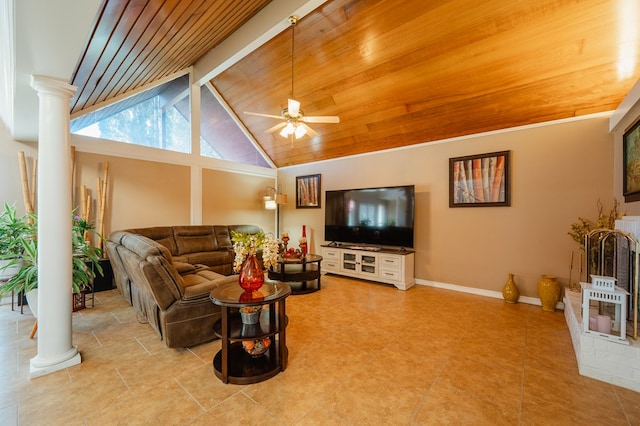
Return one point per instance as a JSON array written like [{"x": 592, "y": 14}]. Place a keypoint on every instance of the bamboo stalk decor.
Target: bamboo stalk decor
[
  {"x": 73, "y": 169},
  {"x": 102, "y": 200},
  {"x": 26, "y": 194}
]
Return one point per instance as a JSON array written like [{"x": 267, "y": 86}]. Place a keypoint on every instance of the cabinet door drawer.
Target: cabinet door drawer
[
  {"x": 390, "y": 275},
  {"x": 390, "y": 263},
  {"x": 331, "y": 254},
  {"x": 329, "y": 265}
]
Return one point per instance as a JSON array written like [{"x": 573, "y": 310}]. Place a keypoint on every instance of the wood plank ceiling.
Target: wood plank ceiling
[{"x": 397, "y": 72}]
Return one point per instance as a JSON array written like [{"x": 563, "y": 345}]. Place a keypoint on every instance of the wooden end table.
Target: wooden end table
[
  {"x": 304, "y": 270},
  {"x": 232, "y": 364}
]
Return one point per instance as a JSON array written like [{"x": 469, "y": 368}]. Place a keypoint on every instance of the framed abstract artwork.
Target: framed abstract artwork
[
  {"x": 308, "y": 192},
  {"x": 480, "y": 180},
  {"x": 631, "y": 163}
]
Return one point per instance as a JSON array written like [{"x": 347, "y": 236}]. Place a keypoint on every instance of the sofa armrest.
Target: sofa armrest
[{"x": 184, "y": 268}]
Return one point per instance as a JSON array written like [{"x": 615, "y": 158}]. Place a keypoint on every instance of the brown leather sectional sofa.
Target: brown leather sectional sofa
[{"x": 167, "y": 273}]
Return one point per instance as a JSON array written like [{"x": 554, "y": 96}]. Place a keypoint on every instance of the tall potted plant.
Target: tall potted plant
[
  {"x": 85, "y": 262},
  {"x": 12, "y": 228}
]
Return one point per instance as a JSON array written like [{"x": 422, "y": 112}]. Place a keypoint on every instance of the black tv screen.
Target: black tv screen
[{"x": 372, "y": 216}]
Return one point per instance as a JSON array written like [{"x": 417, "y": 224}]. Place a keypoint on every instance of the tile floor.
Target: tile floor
[{"x": 359, "y": 354}]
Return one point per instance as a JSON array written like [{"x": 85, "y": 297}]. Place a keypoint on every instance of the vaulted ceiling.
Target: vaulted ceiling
[{"x": 396, "y": 72}]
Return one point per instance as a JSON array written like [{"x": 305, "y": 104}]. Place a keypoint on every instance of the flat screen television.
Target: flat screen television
[{"x": 373, "y": 216}]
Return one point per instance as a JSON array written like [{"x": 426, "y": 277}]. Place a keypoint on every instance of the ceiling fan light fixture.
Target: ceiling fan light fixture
[
  {"x": 300, "y": 132},
  {"x": 287, "y": 130},
  {"x": 292, "y": 116}
]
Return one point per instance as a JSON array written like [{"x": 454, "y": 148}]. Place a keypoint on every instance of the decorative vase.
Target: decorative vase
[
  {"x": 510, "y": 291},
  {"x": 251, "y": 275},
  {"x": 32, "y": 300},
  {"x": 250, "y": 315},
  {"x": 549, "y": 292}
]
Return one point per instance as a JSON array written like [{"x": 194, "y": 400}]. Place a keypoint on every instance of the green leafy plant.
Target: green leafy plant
[
  {"x": 12, "y": 228},
  {"x": 85, "y": 261}
]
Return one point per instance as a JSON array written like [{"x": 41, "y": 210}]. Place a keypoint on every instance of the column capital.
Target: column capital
[{"x": 52, "y": 86}]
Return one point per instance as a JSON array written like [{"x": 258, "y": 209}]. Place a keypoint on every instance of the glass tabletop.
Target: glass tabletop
[{"x": 231, "y": 294}]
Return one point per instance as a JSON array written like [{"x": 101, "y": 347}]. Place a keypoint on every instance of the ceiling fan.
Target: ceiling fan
[{"x": 294, "y": 122}]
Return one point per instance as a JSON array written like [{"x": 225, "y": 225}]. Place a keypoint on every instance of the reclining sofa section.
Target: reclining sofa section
[{"x": 167, "y": 273}]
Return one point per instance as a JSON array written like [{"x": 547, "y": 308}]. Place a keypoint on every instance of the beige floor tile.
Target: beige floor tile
[
  {"x": 414, "y": 372},
  {"x": 146, "y": 372},
  {"x": 536, "y": 412},
  {"x": 447, "y": 405},
  {"x": 630, "y": 401},
  {"x": 237, "y": 410},
  {"x": 592, "y": 398},
  {"x": 203, "y": 386},
  {"x": 172, "y": 405},
  {"x": 364, "y": 400},
  {"x": 289, "y": 395},
  {"x": 321, "y": 416},
  {"x": 359, "y": 353},
  {"x": 501, "y": 385}
]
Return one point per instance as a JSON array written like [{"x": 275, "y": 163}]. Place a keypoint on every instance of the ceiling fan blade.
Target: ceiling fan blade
[
  {"x": 276, "y": 127},
  {"x": 321, "y": 119},
  {"x": 309, "y": 130},
  {"x": 293, "y": 108},
  {"x": 259, "y": 114}
]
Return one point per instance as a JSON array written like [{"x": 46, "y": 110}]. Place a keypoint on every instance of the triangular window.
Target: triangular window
[{"x": 159, "y": 118}]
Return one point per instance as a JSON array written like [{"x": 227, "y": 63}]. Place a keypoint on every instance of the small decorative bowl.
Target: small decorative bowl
[
  {"x": 256, "y": 348},
  {"x": 294, "y": 255}
]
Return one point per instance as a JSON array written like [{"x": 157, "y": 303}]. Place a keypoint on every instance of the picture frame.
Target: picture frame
[
  {"x": 631, "y": 163},
  {"x": 481, "y": 180},
  {"x": 308, "y": 192}
]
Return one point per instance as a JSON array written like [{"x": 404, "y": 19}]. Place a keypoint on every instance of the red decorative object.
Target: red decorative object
[
  {"x": 303, "y": 240},
  {"x": 251, "y": 275}
]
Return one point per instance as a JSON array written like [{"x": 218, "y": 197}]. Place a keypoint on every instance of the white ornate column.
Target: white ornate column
[{"x": 55, "y": 349}]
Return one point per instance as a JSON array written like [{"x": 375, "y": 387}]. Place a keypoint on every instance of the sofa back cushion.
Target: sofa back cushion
[
  {"x": 223, "y": 237},
  {"x": 160, "y": 234},
  {"x": 147, "y": 266},
  {"x": 194, "y": 239}
]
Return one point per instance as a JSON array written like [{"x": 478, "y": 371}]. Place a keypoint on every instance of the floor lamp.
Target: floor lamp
[{"x": 273, "y": 202}]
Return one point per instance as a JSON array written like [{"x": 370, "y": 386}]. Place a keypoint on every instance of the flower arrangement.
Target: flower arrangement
[{"x": 248, "y": 244}]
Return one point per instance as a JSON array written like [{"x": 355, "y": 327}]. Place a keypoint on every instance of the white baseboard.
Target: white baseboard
[{"x": 482, "y": 292}]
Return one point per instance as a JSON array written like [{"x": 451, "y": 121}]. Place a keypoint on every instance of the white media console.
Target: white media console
[{"x": 390, "y": 266}]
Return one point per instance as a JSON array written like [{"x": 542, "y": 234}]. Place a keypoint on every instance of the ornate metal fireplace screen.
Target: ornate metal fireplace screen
[{"x": 614, "y": 253}]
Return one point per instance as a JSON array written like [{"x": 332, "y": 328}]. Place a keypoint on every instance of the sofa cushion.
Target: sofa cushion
[
  {"x": 160, "y": 234},
  {"x": 194, "y": 239},
  {"x": 209, "y": 258},
  {"x": 223, "y": 237}
]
